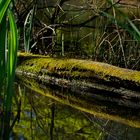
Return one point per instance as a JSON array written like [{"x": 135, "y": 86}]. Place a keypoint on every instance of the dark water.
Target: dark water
[{"x": 47, "y": 114}]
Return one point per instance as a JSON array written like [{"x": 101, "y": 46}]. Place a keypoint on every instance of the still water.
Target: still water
[{"x": 47, "y": 113}]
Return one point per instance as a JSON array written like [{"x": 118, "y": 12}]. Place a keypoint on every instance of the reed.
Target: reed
[
  {"x": 8, "y": 56},
  {"x": 28, "y": 29}
]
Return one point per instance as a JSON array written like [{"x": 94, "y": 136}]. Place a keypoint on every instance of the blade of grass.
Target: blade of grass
[
  {"x": 12, "y": 56},
  {"x": 131, "y": 28},
  {"x": 2, "y": 52},
  {"x": 11, "y": 66},
  {"x": 3, "y": 7},
  {"x": 28, "y": 28}
]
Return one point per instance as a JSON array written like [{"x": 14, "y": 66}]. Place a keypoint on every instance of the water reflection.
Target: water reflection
[{"x": 47, "y": 114}]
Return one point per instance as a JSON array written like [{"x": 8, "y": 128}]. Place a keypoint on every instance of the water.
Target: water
[{"x": 55, "y": 114}]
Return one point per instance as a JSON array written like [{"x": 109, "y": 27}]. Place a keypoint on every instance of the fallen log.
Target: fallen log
[{"x": 104, "y": 81}]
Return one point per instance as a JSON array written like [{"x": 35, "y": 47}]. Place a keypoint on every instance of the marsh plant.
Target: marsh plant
[
  {"x": 8, "y": 54},
  {"x": 120, "y": 40}
]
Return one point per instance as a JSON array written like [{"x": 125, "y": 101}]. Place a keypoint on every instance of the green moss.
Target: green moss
[{"x": 73, "y": 68}]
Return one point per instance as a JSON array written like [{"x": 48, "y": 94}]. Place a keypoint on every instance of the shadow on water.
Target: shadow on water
[{"x": 50, "y": 113}]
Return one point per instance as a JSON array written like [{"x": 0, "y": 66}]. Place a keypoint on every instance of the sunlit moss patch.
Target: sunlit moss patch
[{"x": 78, "y": 69}]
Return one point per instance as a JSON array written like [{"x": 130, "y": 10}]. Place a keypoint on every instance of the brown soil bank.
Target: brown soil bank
[{"x": 83, "y": 75}]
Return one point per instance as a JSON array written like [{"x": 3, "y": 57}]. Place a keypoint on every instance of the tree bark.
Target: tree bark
[{"x": 103, "y": 81}]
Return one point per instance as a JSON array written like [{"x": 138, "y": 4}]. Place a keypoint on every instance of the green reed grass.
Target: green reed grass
[
  {"x": 8, "y": 55},
  {"x": 3, "y": 8},
  {"x": 28, "y": 29}
]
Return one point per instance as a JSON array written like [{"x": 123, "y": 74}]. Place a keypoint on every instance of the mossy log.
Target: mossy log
[{"x": 84, "y": 76}]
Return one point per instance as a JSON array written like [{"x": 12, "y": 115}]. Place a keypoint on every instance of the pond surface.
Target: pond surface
[{"x": 50, "y": 114}]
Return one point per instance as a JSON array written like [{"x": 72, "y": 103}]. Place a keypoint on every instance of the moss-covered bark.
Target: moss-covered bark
[
  {"x": 79, "y": 70},
  {"x": 103, "y": 81}
]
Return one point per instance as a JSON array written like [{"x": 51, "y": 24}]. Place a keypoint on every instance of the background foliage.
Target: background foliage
[{"x": 104, "y": 31}]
